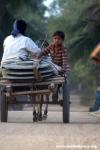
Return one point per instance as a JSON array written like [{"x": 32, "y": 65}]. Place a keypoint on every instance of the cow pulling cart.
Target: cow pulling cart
[{"x": 31, "y": 83}]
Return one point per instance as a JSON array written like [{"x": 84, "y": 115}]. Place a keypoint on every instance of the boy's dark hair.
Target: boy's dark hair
[{"x": 59, "y": 33}]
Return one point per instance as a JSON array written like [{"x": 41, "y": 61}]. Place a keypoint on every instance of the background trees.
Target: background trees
[
  {"x": 30, "y": 10},
  {"x": 80, "y": 20}
]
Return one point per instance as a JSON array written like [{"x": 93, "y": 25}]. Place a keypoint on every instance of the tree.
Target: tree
[
  {"x": 80, "y": 20},
  {"x": 30, "y": 10}
]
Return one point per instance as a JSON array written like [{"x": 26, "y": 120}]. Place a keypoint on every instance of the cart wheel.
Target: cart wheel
[
  {"x": 66, "y": 106},
  {"x": 4, "y": 105}
]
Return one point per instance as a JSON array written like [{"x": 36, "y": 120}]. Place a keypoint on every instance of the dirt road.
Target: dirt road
[{"x": 20, "y": 133}]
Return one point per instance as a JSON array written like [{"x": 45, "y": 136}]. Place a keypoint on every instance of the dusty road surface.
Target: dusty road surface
[{"x": 20, "y": 133}]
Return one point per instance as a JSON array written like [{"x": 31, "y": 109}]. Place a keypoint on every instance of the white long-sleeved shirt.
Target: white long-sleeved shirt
[{"x": 18, "y": 47}]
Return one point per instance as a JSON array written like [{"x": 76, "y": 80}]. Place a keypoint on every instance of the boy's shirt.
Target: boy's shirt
[{"x": 59, "y": 55}]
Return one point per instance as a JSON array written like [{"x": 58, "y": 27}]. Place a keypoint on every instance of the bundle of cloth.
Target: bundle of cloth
[{"x": 37, "y": 69}]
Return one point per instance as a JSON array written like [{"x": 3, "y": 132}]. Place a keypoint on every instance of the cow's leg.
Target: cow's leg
[
  {"x": 39, "y": 114},
  {"x": 46, "y": 108},
  {"x": 34, "y": 111}
]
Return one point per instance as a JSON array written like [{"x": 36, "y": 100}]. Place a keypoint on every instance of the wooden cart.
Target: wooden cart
[{"x": 9, "y": 90}]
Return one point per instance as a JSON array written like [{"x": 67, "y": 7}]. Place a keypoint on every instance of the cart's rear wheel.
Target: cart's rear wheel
[
  {"x": 66, "y": 105},
  {"x": 4, "y": 105}
]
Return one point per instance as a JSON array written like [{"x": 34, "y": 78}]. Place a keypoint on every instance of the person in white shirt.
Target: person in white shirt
[{"x": 17, "y": 46}]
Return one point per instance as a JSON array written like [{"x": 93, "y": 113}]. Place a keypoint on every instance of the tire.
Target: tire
[
  {"x": 66, "y": 105},
  {"x": 4, "y": 106}
]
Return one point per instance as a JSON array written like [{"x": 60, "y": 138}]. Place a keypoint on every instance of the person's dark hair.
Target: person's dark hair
[
  {"x": 19, "y": 26},
  {"x": 59, "y": 33}
]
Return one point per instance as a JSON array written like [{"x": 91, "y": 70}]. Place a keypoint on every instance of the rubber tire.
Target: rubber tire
[
  {"x": 4, "y": 106},
  {"x": 66, "y": 105}
]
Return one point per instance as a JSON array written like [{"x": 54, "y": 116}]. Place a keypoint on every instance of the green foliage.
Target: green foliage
[
  {"x": 86, "y": 78},
  {"x": 80, "y": 21},
  {"x": 81, "y": 68},
  {"x": 30, "y": 10}
]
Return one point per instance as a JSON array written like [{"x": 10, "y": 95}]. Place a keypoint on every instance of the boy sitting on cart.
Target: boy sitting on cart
[{"x": 59, "y": 55}]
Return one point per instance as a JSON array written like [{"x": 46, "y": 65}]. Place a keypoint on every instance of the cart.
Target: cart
[{"x": 10, "y": 89}]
